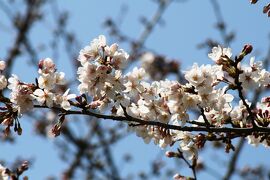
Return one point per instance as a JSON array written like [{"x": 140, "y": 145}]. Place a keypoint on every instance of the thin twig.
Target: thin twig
[
  {"x": 220, "y": 22},
  {"x": 149, "y": 26},
  {"x": 233, "y": 160},
  {"x": 23, "y": 29},
  {"x": 114, "y": 175},
  {"x": 191, "y": 166},
  {"x": 205, "y": 118}
]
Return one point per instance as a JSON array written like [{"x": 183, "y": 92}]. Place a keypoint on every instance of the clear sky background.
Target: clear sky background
[{"x": 186, "y": 25}]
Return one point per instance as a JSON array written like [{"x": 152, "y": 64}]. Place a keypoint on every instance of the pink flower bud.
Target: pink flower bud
[
  {"x": 253, "y": 1},
  {"x": 247, "y": 49},
  {"x": 170, "y": 154}
]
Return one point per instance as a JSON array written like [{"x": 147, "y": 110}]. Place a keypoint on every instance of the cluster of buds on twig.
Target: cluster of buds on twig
[
  {"x": 6, "y": 173},
  {"x": 266, "y": 8}
]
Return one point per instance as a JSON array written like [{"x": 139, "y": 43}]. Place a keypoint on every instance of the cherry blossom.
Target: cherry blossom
[
  {"x": 90, "y": 53},
  {"x": 21, "y": 94},
  {"x": 44, "y": 96},
  {"x": 63, "y": 100},
  {"x": 152, "y": 109},
  {"x": 218, "y": 52}
]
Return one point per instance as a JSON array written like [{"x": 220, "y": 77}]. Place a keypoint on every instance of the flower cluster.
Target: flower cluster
[
  {"x": 23, "y": 94},
  {"x": 209, "y": 90},
  {"x": 100, "y": 71},
  {"x": 47, "y": 81},
  {"x": 170, "y": 102},
  {"x": 254, "y": 76},
  {"x": 263, "y": 120}
]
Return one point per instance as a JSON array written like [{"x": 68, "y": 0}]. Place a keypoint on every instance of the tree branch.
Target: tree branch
[
  {"x": 239, "y": 131},
  {"x": 23, "y": 28},
  {"x": 163, "y": 4},
  {"x": 191, "y": 166},
  {"x": 233, "y": 160}
]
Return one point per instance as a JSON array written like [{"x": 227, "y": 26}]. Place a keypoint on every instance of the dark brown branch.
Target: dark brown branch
[
  {"x": 114, "y": 175},
  {"x": 129, "y": 119},
  {"x": 191, "y": 166},
  {"x": 149, "y": 26},
  {"x": 233, "y": 160},
  {"x": 221, "y": 25},
  {"x": 205, "y": 118},
  {"x": 251, "y": 116},
  {"x": 69, "y": 173},
  {"x": 23, "y": 28}
]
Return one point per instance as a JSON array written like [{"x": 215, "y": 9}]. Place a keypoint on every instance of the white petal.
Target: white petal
[
  {"x": 66, "y": 93},
  {"x": 71, "y": 96},
  {"x": 39, "y": 92},
  {"x": 65, "y": 105}
]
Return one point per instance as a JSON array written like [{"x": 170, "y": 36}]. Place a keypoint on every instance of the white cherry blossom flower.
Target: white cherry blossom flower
[
  {"x": 44, "y": 96},
  {"x": 132, "y": 110},
  {"x": 13, "y": 82},
  {"x": 137, "y": 74},
  {"x": 264, "y": 78},
  {"x": 249, "y": 79},
  {"x": 46, "y": 82},
  {"x": 239, "y": 114},
  {"x": 195, "y": 75},
  {"x": 22, "y": 99},
  {"x": 90, "y": 53},
  {"x": 254, "y": 76},
  {"x": 60, "y": 78},
  {"x": 217, "y": 52},
  {"x": 63, "y": 100},
  {"x": 123, "y": 100},
  {"x": 110, "y": 50},
  {"x": 46, "y": 66},
  {"x": 119, "y": 59},
  {"x": 255, "y": 65},
  {"x": 204, "y": 77}
]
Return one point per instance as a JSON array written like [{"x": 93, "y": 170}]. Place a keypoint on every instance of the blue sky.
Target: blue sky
[{"x": 186, "y": 25}]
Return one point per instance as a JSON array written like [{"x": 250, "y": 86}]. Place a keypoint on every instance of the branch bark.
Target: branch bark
[
  {"x": 129, "y": 119},
  {"x": 233, "y": 160}
]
